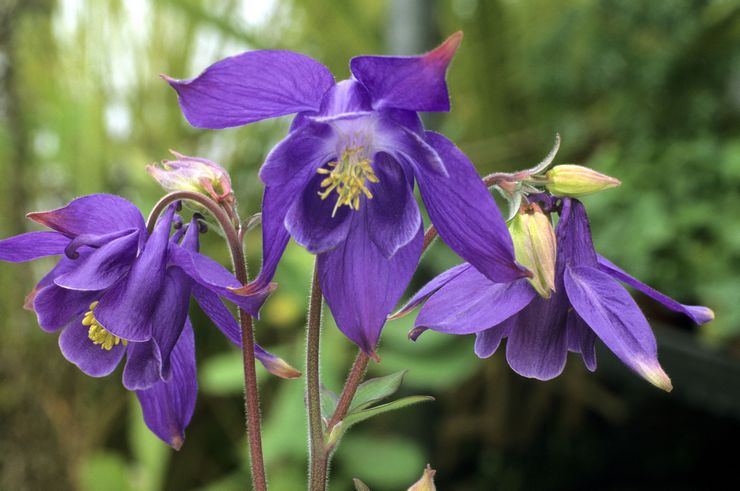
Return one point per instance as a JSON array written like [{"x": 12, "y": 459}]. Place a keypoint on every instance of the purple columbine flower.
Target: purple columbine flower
[
  {"x": 341, "y": 183},
  {"x": 118, "y": 290},
  {"x": 588, "y": 302}
]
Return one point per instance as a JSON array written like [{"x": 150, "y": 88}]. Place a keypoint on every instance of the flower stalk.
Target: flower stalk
[
  {"x": 239, "y": 263},
  {"x": 317, "y": 453}
]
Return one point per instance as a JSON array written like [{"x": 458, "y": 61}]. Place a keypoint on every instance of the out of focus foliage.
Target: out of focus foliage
[{"x": 648, "y": 92}]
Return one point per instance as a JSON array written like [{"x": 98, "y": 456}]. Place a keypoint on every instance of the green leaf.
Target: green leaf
[
  {"x": 376, "y": 389},
  {"x": 359, "y": 485},
  {"x": 359, "y": 416},
  {"x": 328, "y": 402}
]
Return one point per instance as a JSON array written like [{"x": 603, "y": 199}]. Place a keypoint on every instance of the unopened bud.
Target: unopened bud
[
  {"x": 426, "y": 483},
  {"x": 534, "y": 246},
  {"x": 193, "y": 174},
  {"x": 575, "y": 181}
]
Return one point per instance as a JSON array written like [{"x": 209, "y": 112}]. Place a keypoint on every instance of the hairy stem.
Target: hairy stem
[
  {"x": 356, "y": 374},
  {"x": 239, "y": 262},
  {"x": 317, "y": 453}
]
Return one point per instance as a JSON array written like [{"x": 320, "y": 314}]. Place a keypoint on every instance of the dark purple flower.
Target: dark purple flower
[
  {"x": 341, "y": 183},
  {"x": 119, "y": 290},
  {"x": 588, "y": 302}
]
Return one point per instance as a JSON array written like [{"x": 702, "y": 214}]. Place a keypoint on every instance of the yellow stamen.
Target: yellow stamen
[
  {"x": 97, "y": 333},
  {"x": 348, "y": 176}
]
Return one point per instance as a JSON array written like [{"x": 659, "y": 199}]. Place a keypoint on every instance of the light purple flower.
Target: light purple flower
[
  {"x": 588, "y": 302},
  {"x": 341, "y": 183},
  {"x": 118, "y": 290}
]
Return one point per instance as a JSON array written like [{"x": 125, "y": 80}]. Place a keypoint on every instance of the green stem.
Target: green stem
[
  {"x": 239, "y": 262},
  {"x": 317, "y": 453}
]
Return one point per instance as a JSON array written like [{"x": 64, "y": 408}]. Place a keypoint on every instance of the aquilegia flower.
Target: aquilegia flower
[
  {"x": 588, "y": 302},
  {"x": 341, "y": 182},
  {"x": 118, "y": 290}
]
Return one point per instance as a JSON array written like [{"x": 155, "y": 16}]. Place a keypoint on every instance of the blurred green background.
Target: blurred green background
[{"x": 648, "y": 92}]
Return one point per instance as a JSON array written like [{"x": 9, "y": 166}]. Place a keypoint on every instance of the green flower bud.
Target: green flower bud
[
  {"x": 534, "y": 246},
  {"x": 575, "y": 181}
]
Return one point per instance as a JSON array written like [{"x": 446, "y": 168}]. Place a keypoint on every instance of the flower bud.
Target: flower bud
[
  {"x": 426, "y": 483},
  {"x": 193, "y": 174},
  {"x": 575, "y": 181},
  {"x": 534, "y": 246}
]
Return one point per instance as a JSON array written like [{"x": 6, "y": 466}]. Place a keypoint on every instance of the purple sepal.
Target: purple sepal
[
  {"x": 32, "y": 245},
  {"x": 465, "y": 214},
  {"x": 696, "y": 313},
  {"x": 125, "y": 310},
  {"x": 96, "y": 214},
  {"x": 252, "y": 86},
  {"x": 168, "y": 405},
  {"x": 361, "y": 285},
  {"x": 415, "y": 83},
  {"x": 91, "y": 358}
]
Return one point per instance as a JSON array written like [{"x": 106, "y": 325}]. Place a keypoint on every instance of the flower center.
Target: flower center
[
  {"x": 97, "y": 333},
  {"x": 348, "y": 177}
]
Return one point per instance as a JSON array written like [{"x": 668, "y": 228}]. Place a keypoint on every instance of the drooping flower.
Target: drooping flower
[
  {"x": 118, "y": 290},
  {"x": 588, "y": 302},
  {"x": 341, "y": 182}
]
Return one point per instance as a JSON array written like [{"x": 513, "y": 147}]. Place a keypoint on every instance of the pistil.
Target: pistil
[{"x": 348, "y": 176}]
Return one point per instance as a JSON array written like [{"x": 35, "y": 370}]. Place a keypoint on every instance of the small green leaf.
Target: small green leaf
[
  {"x": 376, "y": 389},
  {"x": 359, "y": 485},
  {"x": 356, "y": 417},
  {"x": 328, "y": 402}
]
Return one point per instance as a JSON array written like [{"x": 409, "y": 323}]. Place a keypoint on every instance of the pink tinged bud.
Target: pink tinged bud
[
  {"x": 279, "y": 367},
  {"x": 575, "y": 181},
  {"x": 426, "y": 483},
  {"x": 534, "y": 246},
  {"x": 193, "y": 174}
]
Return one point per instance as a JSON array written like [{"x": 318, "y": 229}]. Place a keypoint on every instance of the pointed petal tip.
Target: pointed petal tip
[
  {"x": 445, "y": 51},
  {"x": 653, "y": 373},
  {"x": 416, "y": 332},
  {"x": 177, "y": 442},
  {"x": 168, "y": 79},
  {"x": 702, "y": 315},
  {"x": 374, "y": 356},
  {"x": 282, "y": 369},
  {"x": 399, "y": 314},
  {"x": 253, "y": 288}
]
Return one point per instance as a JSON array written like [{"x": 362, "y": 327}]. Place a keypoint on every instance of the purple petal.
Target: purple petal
[
  {"x": 361, "y": 285},
  {"x": 408, "y": 119},
  {"x": 488, "y": 341},
  {"x": 32, "y": 245},
  {"x": 126, "y": 309},
  {"x": 393, "y": 216},
  {"x": 465, "y": 214},
  {"x": 427, "y": 290},
  {"x": 537, "y": 346},
  {"x": 697, "y": 313},
  {"x": 470, "y": 303},
  {"x": 215, "y": 309},
  {"x": 56, "y": 307},
  {"x": 581, "y": 339},
  {"x": 615, "y": 317},
  {"x": 170, "y": 314},
  {"x": 224, "y": 320},
  {"x": 88, "y": 356},
  {"x": 405, "y": 145},
  {"x": 573, "y": 235},
  {"x": 416, "y": 83},
  {"x": 346, "y": 97},
  {"x": 168, "y": 406},
  {"x": 252, "y": 86},
  {"x": 297, "y": 157},
  {"x": 143, "y": 366},
  {"x": 96, "y": 214},
  {"x": 103, "y": 266},
  {"x": 211, "y": 275},
  {"x": 275, "y": 236},
  {"x": 313, "y": 221}
]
